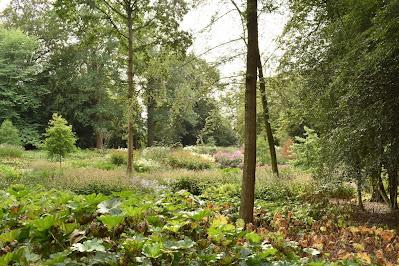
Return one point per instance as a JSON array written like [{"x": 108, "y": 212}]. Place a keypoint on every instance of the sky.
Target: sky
[{"x": 226, "y": 29}]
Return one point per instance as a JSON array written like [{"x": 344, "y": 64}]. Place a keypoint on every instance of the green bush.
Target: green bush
[
  {"x": 7, "y": 150},
  {"x": 338, "y": 190},
  {"x": 8, "y": 175},
  {"x": 144, "y": 165},
  {"x": 188, "y": 160},
  {"x": 9, "y": 134},
  {"x": 60, "y": 140},
  {"x": 188, "y": 184},
  {"x": 156, "y": 153},
  {"x": 307, "y": 150},
  {"x": 118, "y": 157},
  {"x": 105, "y": 165},
  {"x": 96, "y": 188}
]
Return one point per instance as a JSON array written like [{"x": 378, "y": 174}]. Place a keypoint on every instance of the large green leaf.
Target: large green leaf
[
  {"x": 111, "y": 221},
  {"x": 89, "y": 246}
]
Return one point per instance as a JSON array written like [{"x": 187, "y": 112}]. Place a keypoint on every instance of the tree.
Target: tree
[
  {"x": 248, "y": 180},
  {"x": 20, "y": 94},
  {"x": 60, "y": 140},
  {"x": 346, "y": 55},
  {"x": 137, "y": 25},
  {"x": 9, "y": 134}
]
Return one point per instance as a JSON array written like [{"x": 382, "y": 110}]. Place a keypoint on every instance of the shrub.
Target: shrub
[
  {"x": 104, "y": 165},
  {"x": 60, "y": 140},
  {"x": 8, "y": 175},
  {"x": 188, "y": 184},
  {"x": 229, "y": 159},
  {"x": 9, "y": 134},
  {"x": 307, "y": 150},
  {"x": 188, "y": 160},
  {"x": 7, "y": 150},
  {"x": 338, "y": 190},
  {"x": 118, "y": 157},
  {"x": 156, "y": 153},
  {"x": 202, "y": 149},
  {"x": 143, "y": 165}
]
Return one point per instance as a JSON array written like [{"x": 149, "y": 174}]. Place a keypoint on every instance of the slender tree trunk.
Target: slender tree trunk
[
  {"x": 359, "y": 186},
  {"x": 130, "y": 91},
  {"x": 266, "y": 117},
  {"x": 150, "y": 114},
  {"x": 393, "y": 186},
  {"x": 248, "y": 180}
]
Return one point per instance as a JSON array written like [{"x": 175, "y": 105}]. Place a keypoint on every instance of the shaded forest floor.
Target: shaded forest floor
[{"x": 296, "y": 218}]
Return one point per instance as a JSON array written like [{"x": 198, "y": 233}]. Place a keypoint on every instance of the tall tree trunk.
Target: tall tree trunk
[
  {"x": 99, "y": 140},
  {"x": 266, "y": 117},
  {"x": 150, "y": 113},
  {"x": 130, "y": 91},
  {"x": 248, "y": 180},
  {"x": 393, "y": 186}
]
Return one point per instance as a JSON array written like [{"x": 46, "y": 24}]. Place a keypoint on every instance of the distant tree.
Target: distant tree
[
  {"x": 9, "y": 134},
  {"x": 60, "y": 140}
]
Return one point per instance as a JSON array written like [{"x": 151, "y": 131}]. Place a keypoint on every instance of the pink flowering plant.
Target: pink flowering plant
[{"x": 229, "y": 159}]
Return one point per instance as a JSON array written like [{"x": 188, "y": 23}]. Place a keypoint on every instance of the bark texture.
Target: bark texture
[
  {"x": 266, "y": 117},
  {"x": 248, "y": 180}
]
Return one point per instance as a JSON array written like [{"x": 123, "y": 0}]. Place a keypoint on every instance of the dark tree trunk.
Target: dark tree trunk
[
  {"x": 266, "y": 117},
  {"x": 248, "y": 180},
  {"x": 99, "y": 140},
  {"x": 359, "y": 185},
  {"x": 378, "y": 194},
  {"x": 393, "y": 186},
  {"x": 150, "y": 113},
  {"x": 130, "y": 91}
]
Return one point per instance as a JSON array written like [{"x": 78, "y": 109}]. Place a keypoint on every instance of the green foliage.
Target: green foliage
[
  {"x": 9, "y": 134},
  {"x": 188, "y": 160},
  {"x": 144, "y": 165},
  {"x": 118, "y": 158},
  {"x": 11, "y": 151},
  {"x": 307, "y": 150},
  {"x": 60, "y": 140},
  {"x": 191, "y": 185},
  {"x": 9, "y": 175},
  {"x": 131, "y": 227}
]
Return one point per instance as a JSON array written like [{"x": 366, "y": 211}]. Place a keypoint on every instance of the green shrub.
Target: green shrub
[
  {"x": 338, "y": 190},
  {"x": 60, "y": 140},
  {"x": 7, "y": 150},
  {"x": 105, "y": 165},
  {"x": 307, "y": 150},
  {"x": 188, "y": 184},
  {"x": 156, "y": 153},
  {"x": 96, "y": 188},
  {"x": 8, "y": 175},
  {"x": 9, "y": 134},
  {"x": 144, "y": 165},
  {"x": 118, "y": 157},
  {"x": 188, "y": 160}
]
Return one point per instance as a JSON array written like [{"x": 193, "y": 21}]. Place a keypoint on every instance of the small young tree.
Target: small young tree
[
  {"x": 60, "y": 140},
  {"x": 9, "y": 134}
]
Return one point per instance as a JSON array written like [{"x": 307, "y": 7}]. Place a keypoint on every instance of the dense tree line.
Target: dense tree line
[
  {"x": 66, "y": 57},
  {"x": 340, "y": 68}
]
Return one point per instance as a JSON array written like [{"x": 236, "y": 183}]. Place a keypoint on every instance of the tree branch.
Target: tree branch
[
  {"x": 107, "y": 16},
  {"x": 114, "y": 9}
]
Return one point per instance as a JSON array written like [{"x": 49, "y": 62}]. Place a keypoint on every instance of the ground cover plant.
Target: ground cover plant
[{"x": 41, "y": 227}]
